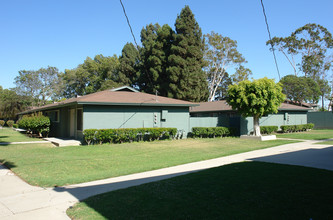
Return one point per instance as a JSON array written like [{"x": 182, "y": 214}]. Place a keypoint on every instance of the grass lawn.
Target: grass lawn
[
  {"x": 248, "y": 190},
  {"x": 309, "y": 135},
  {"x": 44, "y": 165},
  {"x": 326, "y": 142},
  {"x": 9, "y": 135}
]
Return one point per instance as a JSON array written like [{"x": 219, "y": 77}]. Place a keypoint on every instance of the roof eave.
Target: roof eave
[{"x": 136, "y": 104}]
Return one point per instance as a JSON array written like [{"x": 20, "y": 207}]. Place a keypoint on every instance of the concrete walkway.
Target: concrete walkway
[{"x": 19, "y": 200}]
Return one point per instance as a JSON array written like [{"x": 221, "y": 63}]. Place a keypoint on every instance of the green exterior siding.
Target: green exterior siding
[
  {"x": 321, "y": 119},
  {"x": 281, "y": 118},
  {"x": 135, "y": 117},
  {"x": 245, "y": 125}
]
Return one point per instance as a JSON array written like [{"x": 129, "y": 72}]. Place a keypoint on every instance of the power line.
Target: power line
[
  {"x": 270, "y": 38},
  {"x": 137, "y": 47}
]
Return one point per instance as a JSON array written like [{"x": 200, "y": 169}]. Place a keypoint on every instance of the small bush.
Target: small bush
[
  {"x": 35, "y": 124},
  {"x": 268, "y": 129},
  {"x": 89, "y": 135},
  {"x": 296, "y": 128},
  {"x": 15, "y": 125},
  {"x": 10, "y": 123},
  {"x": 211, "y": 132},
  {"x": 2, "y": 123}
]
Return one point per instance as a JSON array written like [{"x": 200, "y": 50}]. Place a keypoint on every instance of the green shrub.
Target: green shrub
[
  {"x": 296, "y": 128},
  {"x": 89, "y": 135},
  {"x": 36, "y": 124},
  {"x": 99, "y": 136},
  {"x": 2, "y": 123},
  {"x": 10, "y": 123},
  {"x": 211, "y": 132},
  {"x": 268, "y": 129},
  {"x": 15, "y": 125}
]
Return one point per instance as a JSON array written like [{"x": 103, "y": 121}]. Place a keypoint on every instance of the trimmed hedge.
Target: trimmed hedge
[
  {"x": 211, "y": 132},
  {"x": 121, "y": 135},
  {"x": 296, "y": 128},
  {"x": 268, "y": 129},
  {"x": 2, "y": 123},
  {"x": 10, "y": 123},
  {"x": 35, "y": 124}
]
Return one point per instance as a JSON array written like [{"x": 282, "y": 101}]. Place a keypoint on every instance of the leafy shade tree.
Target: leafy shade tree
[
  {"x": 257, "y": 98},
  {"x": 300, "y": 89},
  {"x": 311, "y": 42},
  {"x": 241, "y": 74},
  {"x": 187, "y": 79},
  {"x": 11, "y": 103},
  {"x": 221, "y": 53},
  {"x": 41, "y": 85},
  {"x": 93, "y": 75}
]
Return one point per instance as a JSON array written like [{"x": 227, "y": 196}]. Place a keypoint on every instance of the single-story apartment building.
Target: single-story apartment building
[
  {"x": 219, "y": 113},
  {"x": 122, "y": 107}
]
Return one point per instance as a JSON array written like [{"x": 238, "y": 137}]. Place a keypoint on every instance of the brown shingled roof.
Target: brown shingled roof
[
  {"x": 223, "y": 106},
  {"x": 110, "y": 97}
]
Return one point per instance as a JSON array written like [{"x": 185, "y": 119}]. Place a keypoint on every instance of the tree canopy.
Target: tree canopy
[
  {"x": 93, "y": 75},
  {"x": 257, "y": 98},
  {"x": 220, "y": 53},
  {"x": 41, "y": 85},
  {"x": 187, "y": 79},
  {"x": 300, "y": 89}
]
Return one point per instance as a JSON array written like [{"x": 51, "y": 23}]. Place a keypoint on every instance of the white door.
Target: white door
[{"x": 72, "y": 122}]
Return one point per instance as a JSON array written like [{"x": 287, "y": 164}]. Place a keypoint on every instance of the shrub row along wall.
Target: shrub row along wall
[
  {"x": 296, "y": 128},
  {"x": 268, "y": 129},
  {"x": 211, "y": 132},
  {"x": 100, "y": 136},
  {"x": 35, "y": 124},
  {"x": 9, "y": 123}
]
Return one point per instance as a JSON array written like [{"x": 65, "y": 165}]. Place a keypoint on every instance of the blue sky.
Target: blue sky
[{"x": 60, "y": 33}]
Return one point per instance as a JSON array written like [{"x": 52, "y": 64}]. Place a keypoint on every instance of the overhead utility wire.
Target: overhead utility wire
[
  {"x": 270, "y": 38},
  {"x": 136, "y": 44},
  {"x": 129, "y": 24}
]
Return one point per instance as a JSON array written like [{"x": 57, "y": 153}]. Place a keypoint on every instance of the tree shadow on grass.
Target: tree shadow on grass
[{"x": 6, "y": 164}]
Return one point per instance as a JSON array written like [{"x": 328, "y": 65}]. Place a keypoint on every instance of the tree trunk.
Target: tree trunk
[{"x": 256, "y": 127}]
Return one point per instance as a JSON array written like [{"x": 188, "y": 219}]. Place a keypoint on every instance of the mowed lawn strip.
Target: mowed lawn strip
[
  {"x": 248, "y": 190},
  {"x": 9, "y": 135},
  {"x": 309, "y": 135},
  {"x": 326, "y": 142},
  {"x": 44, "y": 165}
]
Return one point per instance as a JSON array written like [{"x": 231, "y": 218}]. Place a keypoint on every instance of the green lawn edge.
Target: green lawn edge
[{"x": 47, "y": 166}]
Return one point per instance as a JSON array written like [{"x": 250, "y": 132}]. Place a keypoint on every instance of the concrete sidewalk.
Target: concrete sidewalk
[{"x": 19, "y": 200}]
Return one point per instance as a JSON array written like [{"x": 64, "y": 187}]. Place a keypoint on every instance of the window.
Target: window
[
  {"x": 79, "y": 117},
  {"x": 53, "y": 115}
]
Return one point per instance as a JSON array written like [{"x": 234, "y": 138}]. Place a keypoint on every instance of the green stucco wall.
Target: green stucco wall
[
  {"x": 135, "y": 117},
  {"x": 245, "y": 125},
  {"x": 217, "y": 121},
  {"x": 281, "y": 118},
  {"x": 321, "y": 119}
]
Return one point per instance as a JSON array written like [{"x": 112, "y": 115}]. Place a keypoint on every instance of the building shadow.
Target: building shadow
[
  {"x": 84, "y": 192},
  {"x": 317, "y": 158}
]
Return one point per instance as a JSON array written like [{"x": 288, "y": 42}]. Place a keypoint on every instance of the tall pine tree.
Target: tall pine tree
[
  {"x": 187, "y": 78},
  {"x": 156, "y": 43},
  {"x": 128, "y": 65}
]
